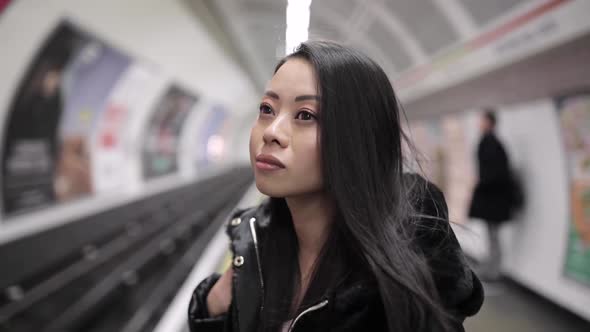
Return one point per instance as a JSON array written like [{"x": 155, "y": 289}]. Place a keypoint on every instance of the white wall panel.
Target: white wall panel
[{"x": 534, "y": 244}]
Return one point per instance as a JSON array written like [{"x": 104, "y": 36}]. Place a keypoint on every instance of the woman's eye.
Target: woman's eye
[
  {"x": 305, "y": 116},
  {"x": 265, "y": 109}
]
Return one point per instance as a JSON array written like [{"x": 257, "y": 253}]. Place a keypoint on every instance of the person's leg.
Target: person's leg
[{"x": 495, "y": 253}]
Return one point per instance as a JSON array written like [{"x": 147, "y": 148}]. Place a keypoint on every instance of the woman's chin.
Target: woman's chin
[{"x": 269, "y": 189}]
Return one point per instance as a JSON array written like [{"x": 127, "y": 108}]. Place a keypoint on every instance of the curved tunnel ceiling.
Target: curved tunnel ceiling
[{"x": 399, "y": 34}]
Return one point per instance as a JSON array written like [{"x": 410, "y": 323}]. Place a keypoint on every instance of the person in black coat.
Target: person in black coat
[{"x": 492, "y": 198}]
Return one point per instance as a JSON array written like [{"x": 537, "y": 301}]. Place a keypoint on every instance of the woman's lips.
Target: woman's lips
[{"x": 268, "y": 163}]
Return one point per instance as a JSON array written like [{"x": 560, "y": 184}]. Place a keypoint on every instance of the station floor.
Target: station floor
[{"x": 509, "y": 307}]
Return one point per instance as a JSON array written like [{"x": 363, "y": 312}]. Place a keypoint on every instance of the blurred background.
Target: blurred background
[{"x": 125, "y": 130}]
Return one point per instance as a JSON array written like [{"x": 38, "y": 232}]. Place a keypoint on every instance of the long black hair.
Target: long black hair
[{"x": 363, "y": 164}]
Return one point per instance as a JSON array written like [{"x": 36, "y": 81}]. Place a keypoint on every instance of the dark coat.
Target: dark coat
[
  {"x": 492, "y": 198},
  {"x": 353, "y": 306}
]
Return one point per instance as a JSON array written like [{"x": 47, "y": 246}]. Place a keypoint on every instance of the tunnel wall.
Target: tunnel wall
[
  {"x": 535, "y": 243},
  {"x": 165, "y": 38}
]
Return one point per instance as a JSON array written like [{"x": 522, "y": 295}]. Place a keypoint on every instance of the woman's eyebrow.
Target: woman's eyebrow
[
  {"x": 307, "y": 97},
  {"x": 272, "y": 95}
]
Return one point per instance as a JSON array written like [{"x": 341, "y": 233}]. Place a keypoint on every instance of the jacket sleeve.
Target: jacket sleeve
[
  {"x": 198, "y": 313},
  {"x": 459, "y": 288}
]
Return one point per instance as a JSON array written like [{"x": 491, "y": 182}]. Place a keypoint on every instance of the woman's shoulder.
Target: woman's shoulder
[
  {"x": 432, "y": 233},
  {"x": 426, "y": 198},
  {"x": 459, "y": 287}
]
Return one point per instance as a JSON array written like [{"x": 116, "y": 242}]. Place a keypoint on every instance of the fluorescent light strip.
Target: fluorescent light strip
[{"x": 297, "y": 23}]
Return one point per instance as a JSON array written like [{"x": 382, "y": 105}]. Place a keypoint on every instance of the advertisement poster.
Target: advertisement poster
[
  {"x": 460, "y": 168},
  {"x": 446, "y": 158},
  {"x": 3, "y": 5},
  {"x": 115, "y": 140},
  {"x": 427, "y": 137},
  {"x": 161, "y": 145},
  {"x": 46, "y": 154},
  {"x": 211, "y": 145},
  {"x": 574, "y": 117}
]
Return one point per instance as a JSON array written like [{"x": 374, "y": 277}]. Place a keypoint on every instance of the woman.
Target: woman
[{"x": 346, "y": 241}]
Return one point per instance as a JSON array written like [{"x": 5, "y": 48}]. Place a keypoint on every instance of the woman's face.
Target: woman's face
[{"x": 284, "y": 145}]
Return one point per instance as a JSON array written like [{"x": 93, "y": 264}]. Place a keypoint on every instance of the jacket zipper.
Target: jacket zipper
[
  {"x": 306, "y": 311},
  {"x": 255, "y": 238}
]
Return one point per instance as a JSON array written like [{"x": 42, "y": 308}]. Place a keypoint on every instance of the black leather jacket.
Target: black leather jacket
[{"x": 353, "y": 307}]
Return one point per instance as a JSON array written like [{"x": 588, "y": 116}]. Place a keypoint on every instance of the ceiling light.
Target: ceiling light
[{"x": 297, "y": 23}]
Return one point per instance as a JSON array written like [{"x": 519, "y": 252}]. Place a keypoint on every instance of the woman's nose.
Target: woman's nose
[{"x": 277, "y": 132}]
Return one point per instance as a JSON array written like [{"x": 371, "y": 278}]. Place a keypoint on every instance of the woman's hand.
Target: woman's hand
[{"x": 219, "y": 297}]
